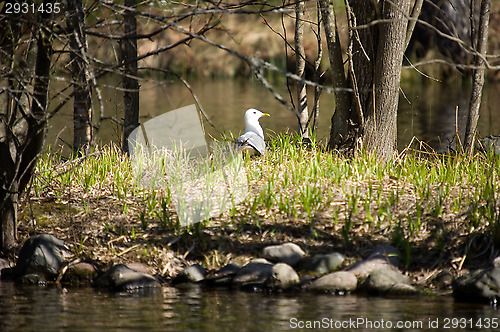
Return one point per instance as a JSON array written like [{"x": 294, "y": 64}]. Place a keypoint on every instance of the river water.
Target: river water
[
  {"x": 37, "y": 308},
  {"x": 427, "y": 112}
]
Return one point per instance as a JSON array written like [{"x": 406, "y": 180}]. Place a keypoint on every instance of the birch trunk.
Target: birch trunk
[{"x": 301, "y": 65}]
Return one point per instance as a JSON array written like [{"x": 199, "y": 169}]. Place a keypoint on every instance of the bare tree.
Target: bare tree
[
  {"x": 380, "y": 130},
  {"x": 477, "y": 77},
  {"x": 23, "y": 117},
  {"x": 130, "y": 82},
  {"x": 80, "y": 67},
  {"x": 378, "y": 34},
  {"x": 342, "y": 129}
]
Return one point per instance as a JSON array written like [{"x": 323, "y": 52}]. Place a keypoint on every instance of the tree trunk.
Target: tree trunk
[
  {"x": 8, "y": 218},
  {"x": 340, "y": 128},
  {"x": 477, "y": 77},
  {"x": 130, "y": 83},
  {"x": 375, "y": 55},
  {"x": 357, "y": 91},
  {"x": 8, "y": 195},
  {"x": 28, "y": 132},
  {"x": 300, "y": 60},
  {"x": 380, "y": 132},
  {"x": 82, "y": 109}
]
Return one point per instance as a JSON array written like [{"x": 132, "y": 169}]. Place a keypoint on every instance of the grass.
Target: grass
[{"x": 438, "y": 209}]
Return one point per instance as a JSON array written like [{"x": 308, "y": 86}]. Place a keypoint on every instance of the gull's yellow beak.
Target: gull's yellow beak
[{"x": 265, "y": 114}]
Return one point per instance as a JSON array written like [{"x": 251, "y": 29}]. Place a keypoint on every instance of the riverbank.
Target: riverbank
[{"x": 439, "y": 211}]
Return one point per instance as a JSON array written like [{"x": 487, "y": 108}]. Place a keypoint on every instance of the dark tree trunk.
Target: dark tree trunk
[
  {"x": 341, "y": 129},
  {"x": 8, "y": 201},
  {"x": 21, "y": 142},
  {"x": 130, "y": 83},
  {"x": 82, "y": 109}
]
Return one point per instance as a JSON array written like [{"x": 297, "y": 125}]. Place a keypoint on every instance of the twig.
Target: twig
[{"x": 127, "y": 250}]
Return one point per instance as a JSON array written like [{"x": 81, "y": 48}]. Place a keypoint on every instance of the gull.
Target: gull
[{"x": 252, "y": 141}]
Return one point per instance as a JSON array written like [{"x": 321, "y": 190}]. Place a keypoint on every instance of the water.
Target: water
[
  {"x": 428, "y": 112},
  {"x": 35, "y": 308}
]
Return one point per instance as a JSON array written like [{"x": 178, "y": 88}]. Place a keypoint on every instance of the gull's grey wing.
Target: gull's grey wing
[{"x": 251, "y": 139}]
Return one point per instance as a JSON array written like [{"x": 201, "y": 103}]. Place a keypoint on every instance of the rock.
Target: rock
[
  {"x": 194, "y": 273},
  {"x": 322, "y": 264},
  {"x": 32, "y": 279},
  {"x": 496, "y": 261},
  {"x": 282, "y": 276},
  {"x": 5, "y": 269},
  {"x": 388, "y": 281},
  {"x": 443, "y": 279},
  {"x": 478, "y": 286},
  {"x": 141, "y": 267},
  {"x": 121, "y": 278},
  {"x": 338, "y": 282},
  {"x": 253, "y": 274},
  {"x": 306, "y": 279},
  {"x": 81, "y": 272},
  {"x": 44, "y": 255},
  {"x": 383, "y": 256},
  {"x": 490, "y": 144},
  {"x": 289, "y": 253},
  {"x": 224, "y": 276}
]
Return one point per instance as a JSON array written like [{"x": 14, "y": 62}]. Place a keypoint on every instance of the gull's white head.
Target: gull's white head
[{"x": 252, "y": 117}]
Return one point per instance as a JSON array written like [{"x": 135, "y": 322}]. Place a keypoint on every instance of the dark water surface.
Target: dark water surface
[
  {"x": 429, "y": 112},
  {"x": 38, "y": 308}
]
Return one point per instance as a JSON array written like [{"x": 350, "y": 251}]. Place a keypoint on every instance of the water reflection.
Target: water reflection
[
  {"x": 430, "y": 114},
  {"x": 195, "y": 309},
  {"x": 435, "y": 115}
]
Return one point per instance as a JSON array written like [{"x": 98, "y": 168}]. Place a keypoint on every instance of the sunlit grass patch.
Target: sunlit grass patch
[{"x": 296, "y": 192}]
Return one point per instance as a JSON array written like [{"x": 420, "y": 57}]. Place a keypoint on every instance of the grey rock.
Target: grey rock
[
  {"x": 32, "y": 279},
  {"x": 44, "y": 255},
  {"x": 254, "y": 273},
  {"x": 496, "y": 262},
  {"x": 338, "y": 282},
  {"x": 121, "y": 278},
  {"x": 306, "y": 279},
  {"x": 478, "y": 286},
  {"x": 388, "y": 281},
  {"x": 289, "y": 253},
  {"x": 194, "y": 273},
  {"x": 490, "y": 144},
  {"x": 283, "y": 276},
  {"x": 5, "y": 269},
  {"x": 4, "y": 263},
  {"x": 224, "y": 276},
  {"x": 141, "y": 267},
  {"x": 383, "y": 256},
  {"x": 322, "y": 264},
  {"x": 80, "y": 273},
  {"x": 443, "y": 279}
]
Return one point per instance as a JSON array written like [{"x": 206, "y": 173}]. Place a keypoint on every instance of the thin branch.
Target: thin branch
[{"x": 415, "y": 13}]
